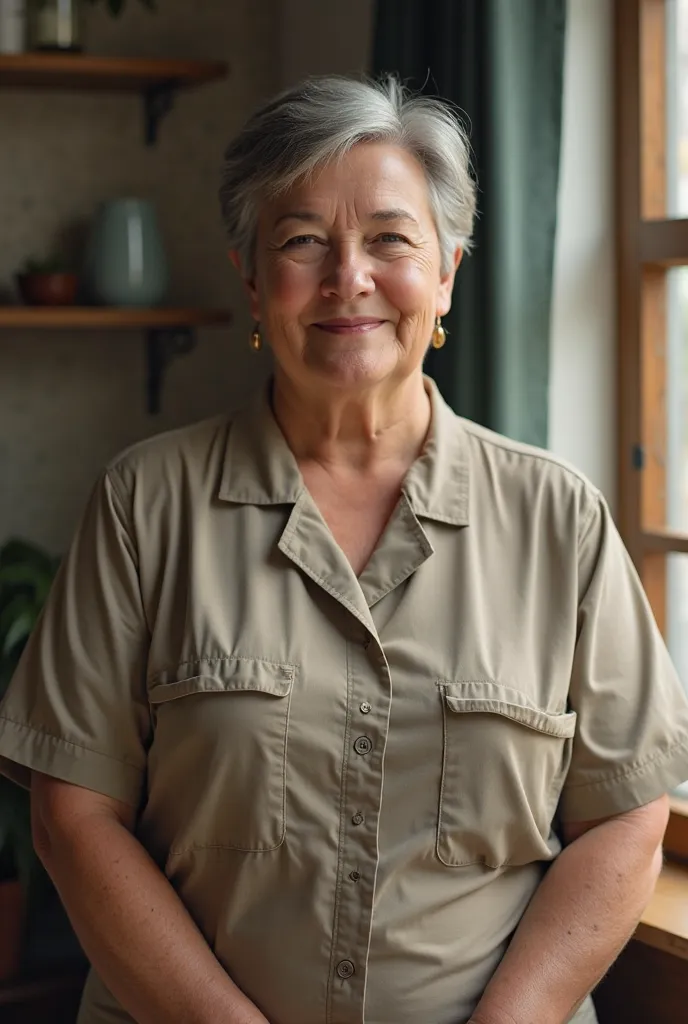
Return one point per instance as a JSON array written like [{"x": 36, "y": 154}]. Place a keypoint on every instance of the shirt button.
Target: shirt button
[
  {"x": 354, "y": 875},
  {"x": 366, "y": 708},
  {"x": 363, "y": 745},
  {"x": 345, "y": 968},
  {"x": 358, "y": 818},
  {"x": 366, "y": 643}
]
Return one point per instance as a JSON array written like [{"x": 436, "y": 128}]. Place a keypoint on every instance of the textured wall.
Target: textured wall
[
  {"x": 321, "y": 37},
  {"x": 70, "y": 400}
]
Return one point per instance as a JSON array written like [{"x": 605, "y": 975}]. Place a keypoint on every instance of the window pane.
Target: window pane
[
  {"x": 677, "y": 620},
  {"x": 677, "y": 401},
  {"x": 677, "y": 612},
  {"x": 677, "y": 107}
]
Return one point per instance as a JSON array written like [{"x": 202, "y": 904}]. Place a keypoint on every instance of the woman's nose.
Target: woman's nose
[{"x": 348, "y": 273}]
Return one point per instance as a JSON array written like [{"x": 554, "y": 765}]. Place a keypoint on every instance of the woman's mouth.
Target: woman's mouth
[{"x": 349, "y": 325}]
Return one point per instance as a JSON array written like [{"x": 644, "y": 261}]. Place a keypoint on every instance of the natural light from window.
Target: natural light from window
[{"x": 677, "y": 340}]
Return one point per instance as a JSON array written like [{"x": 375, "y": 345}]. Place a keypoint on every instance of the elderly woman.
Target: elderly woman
[{"x": 344, "y": 709}]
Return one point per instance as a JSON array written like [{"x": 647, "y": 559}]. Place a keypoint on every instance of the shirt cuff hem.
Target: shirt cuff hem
[
  {"x": 24, "y": 749},
  {"x": 625, "y": 791}
]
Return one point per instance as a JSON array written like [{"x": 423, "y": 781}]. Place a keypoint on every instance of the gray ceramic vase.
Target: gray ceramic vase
[{"x": 125, "y": 261}]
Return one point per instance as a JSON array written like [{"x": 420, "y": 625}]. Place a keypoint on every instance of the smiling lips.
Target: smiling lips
[{"x": 350, "y": 325}]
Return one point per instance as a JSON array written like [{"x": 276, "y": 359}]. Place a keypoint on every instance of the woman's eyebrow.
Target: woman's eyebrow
[
  {"x": 394, "y": 214},
  {"x": 310, "y": 217},
  {"x": 305, "y": 215}
]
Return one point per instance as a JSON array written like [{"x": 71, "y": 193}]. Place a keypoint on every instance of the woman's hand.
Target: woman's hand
[{"x": 131, "y": 923}]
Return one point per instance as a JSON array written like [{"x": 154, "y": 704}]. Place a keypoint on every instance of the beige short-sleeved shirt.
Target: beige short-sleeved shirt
[{"x": 353, "y": 784}]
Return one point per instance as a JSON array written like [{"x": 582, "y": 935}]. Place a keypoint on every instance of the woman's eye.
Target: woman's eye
[
  {"x": 300, "y": 240},
  {"x": 389, "y": 236}
]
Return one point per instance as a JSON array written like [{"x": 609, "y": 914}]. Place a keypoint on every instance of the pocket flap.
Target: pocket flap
[
  {"x": 465, "y": 698},
  {"x": 222, "y": 675}
]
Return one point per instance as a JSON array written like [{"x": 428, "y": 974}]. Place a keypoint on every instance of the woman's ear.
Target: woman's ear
[
  {"x": 447, "y": 284},
  {"x": 248, "y": 283}
]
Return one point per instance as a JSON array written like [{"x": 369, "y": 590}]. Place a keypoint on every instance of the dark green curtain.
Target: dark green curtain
[{"x": 501, "y": 62}]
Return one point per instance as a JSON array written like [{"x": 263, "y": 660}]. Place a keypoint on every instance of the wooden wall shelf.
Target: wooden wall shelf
[
  {"x": 111, "y": 74},
  {"x": 169, "y": 331},
  {"x": 107, "y": 318},
  {"x": 157, "y": 79}
]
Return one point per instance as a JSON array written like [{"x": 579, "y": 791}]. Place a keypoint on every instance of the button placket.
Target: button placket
[{"x": 363, "y": 783}]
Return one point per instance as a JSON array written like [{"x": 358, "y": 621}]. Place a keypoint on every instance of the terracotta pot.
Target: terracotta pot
[
  {"x": 12, "y": 929},
  {"x": 48, "y": 289}
]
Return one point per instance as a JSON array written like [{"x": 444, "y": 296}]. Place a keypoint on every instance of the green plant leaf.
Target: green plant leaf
[
  {"x": 11, "y": 609},
  {"x": 16, "y": 853},
  {"x": 53, "y": 265},
  {"x": 43, "y": 588},
  {"x": 19, "y": 631},
  {"x": 19, "y": 574},
  {"x": 26, "y": 574},
  {"x": 20, "y": 551}
]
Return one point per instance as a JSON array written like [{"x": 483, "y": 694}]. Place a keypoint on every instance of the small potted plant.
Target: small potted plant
[
  {"x": 26, "y": 575},
  {"x": 50, "y": 282}
]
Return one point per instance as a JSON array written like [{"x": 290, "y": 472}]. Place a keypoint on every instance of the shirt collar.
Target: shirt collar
[
  {"x": 260, "y": 469},
  {"x": 436, "y": 485},
  {"x": 259, "y": 466}
]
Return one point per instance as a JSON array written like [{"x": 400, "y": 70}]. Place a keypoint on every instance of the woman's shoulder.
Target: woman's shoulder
[
  {"x": 526, "y": 472},
  {"x": 509, "y": 454},
  {"x": 160, "y": 455}
]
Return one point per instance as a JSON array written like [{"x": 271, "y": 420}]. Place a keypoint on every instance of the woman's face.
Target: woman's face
[{"x": 348, "y": 283}]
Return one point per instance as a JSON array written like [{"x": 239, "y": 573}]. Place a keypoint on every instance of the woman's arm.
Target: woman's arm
[
  {"x": 579, "y": 919},
  {"x": 131, "y": 923}
]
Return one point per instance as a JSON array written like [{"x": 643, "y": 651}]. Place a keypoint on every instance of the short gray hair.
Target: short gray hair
[{"x": 320, "y": 120}]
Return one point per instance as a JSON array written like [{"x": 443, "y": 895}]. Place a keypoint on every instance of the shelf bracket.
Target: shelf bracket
[
  {"x": 158, "y": 100},
  {"x": 163, "y": 344}
]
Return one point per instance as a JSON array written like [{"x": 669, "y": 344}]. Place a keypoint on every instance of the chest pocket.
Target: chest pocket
[
  {"x": 503, "y": 766},
  {"x": 217, "y": 765}
]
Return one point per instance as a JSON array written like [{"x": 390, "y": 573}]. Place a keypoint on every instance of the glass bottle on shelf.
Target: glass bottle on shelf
[
  {"x": 12, "y": 26},
  {"x": 56, "y": 25}
]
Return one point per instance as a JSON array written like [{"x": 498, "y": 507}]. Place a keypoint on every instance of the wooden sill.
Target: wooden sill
[
  {"x": 664, "y": 924},
  {"x": 676, "y": 835}
]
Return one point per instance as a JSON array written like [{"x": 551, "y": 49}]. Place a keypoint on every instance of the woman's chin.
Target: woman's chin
[{"x": 353, "y": 369}]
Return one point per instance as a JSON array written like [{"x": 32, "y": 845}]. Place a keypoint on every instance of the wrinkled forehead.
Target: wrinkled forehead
[{"x": 372, "y": 181}]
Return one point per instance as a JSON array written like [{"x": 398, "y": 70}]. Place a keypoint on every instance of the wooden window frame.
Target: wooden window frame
[{"x": 647, "y": 244}]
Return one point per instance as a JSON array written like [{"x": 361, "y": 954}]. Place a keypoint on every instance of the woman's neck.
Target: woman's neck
[{"x": 354, "y": 433}]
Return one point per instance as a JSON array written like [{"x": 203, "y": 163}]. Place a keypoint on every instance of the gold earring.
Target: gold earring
[
  {"x": 256, "y": 340},
  {"x": 439, "y": 335}
]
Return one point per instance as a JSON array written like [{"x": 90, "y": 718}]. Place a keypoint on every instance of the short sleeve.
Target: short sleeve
[
  {"x": 76, "y": 707},
  {"x": 631, "y": 742}
]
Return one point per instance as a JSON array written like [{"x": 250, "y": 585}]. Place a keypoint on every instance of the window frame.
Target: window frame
[{"x": 647, "y": 245}]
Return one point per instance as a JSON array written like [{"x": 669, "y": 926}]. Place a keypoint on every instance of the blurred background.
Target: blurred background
[
  {"x": 70, "y": 399},
  {"x": 120, "y": 315}
]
